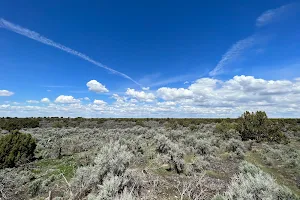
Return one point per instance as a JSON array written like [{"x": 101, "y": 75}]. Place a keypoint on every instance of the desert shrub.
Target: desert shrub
[
  {"x": 125, "y": 195},
  {"x": 109, "y": 188},
  {"x": 177, "y": 162},
  {"x": 57, "y": 125},
  {"x": 226, "y": 129},
  {"x": 235, "y": 146},
  {"x": 112, "y": 160},
  {"x": 85, "y": 179},
  {"x": 204, "y": 147},
  {"x": 257, "y": 126},
  {"x": 281, "y": 154},
  {"x": 174, "y": 155},
  {"x": 199, "y": 164},
  {"x": 34, "y": 187},
  {"x": 193, "y": 127},
  {"x": 115, "y": 187},
  {"x": 190, "y": 140},
  {"x": 16, "y": 148},
  {"x": 11, "y": 124},
  {"x": 252, "y": 184},
  {"x": 163, "y": 144},
  {"x": 140, "y": 122},
  {"x": 171, "y": 124}
]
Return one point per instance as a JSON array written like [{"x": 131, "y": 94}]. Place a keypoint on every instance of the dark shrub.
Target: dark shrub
[
  {"x": 226, "y": 129},
  {"x": 257, "y": 126},
  {"x": 11, "y": 124},
  {"x": 16, "y": 148}
]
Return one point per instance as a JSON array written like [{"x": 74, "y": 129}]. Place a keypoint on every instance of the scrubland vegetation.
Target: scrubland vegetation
[{"x": 251, "y": 157}]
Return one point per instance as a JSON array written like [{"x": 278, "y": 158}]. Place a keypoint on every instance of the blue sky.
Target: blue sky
[{"x": 164, "y": 59}]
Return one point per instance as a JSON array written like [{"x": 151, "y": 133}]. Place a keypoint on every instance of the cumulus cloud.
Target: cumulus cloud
[
  {"x": 95, "y": 86},
  {"x": 118, "y": 98},
  {"x": 86, "y": 98},
  {"x": 174, "y": 93},
  {"x": 66, "y": 99},
  {"x": 205, "y": 97},
  {"x": 99, "y": 102},
  {"x": 167, "y": 103},
  {"x": 134, "y": 101},
  {"x": 245, "y": 90},
  {"x": 5, "y": 93},
  {"x": 45, "y": 100},
  {"x": 140, "y": 95},
  {"x": 145, "y": 88},
  {"x": 32, "y": 101}
]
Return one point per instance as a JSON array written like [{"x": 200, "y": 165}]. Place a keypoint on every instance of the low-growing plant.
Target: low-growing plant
[
  {"x": 112, "y": 160},
  {"x": 252, "y": 184}
]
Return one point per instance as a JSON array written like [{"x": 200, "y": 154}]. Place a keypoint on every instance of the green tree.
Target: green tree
[{"x": 257, "y": 126}]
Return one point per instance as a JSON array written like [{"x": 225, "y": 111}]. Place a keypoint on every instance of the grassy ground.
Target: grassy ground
[{"x": 284, "y": 176}]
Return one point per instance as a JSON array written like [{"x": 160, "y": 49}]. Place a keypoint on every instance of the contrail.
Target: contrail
[
  {"x": 36, "y": 36},
  {"x": 232, "y": 53}
]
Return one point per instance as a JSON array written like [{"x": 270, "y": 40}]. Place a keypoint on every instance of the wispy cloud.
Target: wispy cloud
[
  {"x": 272, "y": 14},
  {"x": 157, "y": 80},
  {"x": 57, "y": 86},
  {"x": 238, "y": 48},
  {"x": 37, "y": 37},
  {"x": 232, "y": 53}
]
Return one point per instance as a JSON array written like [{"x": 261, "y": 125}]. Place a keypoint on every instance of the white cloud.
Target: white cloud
[
  {"x": 174, "y": 93},
  {"x": 86, "y": 98},
  {"x": 118, "y": 98},
  {"x": 272, "y": 14},
  {"x": 99, "y": 102},
  {"x": 5, "y": 93},
  {"x": 176, "y": 79},
  {"x": 95, "y": 86},
  {"x": 145, "y": 88},
  {"x": 141, "y": 96},
  {"x": 32, "y": 101},
  {"x": 45, "y": 100},
  {"x": 297, "y": 79},
  {"x": 233, "y": 53},
  {"x": 167, "y": 103},
  {"x": 134, "y": 101},
  {"x": 66, "y": 99},
  {"x": 205, "y": 97},
  {"x": 203, "y": 86}
]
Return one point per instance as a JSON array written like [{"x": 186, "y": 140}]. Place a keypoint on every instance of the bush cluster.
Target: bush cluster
[
  {"x": 257, "y": 126},
  {"x": 173, "y": 154},
  {"x": 16, "y": 148},
  {"x": 252, "y": 184},
  {"x": 105, "y": 176},
  {"x": 11, "y": 124}
]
